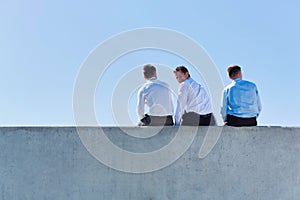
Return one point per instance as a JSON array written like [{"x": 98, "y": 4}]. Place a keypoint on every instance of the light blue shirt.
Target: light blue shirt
[
  {"x": 192, "y": 97},
  {"x": 241, "y": 99}
]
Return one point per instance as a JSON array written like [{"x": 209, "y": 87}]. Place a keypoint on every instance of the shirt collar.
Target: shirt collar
[
  {"x": 188, "y": 80},
  {"x": 237, "y": 79},
  {"x": 152, "y": 79}
]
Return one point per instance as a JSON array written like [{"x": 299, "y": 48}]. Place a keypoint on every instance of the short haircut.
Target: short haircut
[
  {"x": 182, "y": 69},
  {"x": 149, "y": 71},
  {"x": 233, "y": 70}
]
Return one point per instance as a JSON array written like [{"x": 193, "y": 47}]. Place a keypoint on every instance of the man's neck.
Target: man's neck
[{"x": 152, "y": 78}]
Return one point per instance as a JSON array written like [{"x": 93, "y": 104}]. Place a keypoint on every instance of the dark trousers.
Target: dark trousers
[
  {"x": 149, "y": 120},
  {"x": 239, "y": 121},
  {"x": 194, "y": 119}
]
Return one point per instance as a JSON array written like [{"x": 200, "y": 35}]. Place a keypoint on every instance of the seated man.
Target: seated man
[
  {"x": 241, "y": 103},
  {"x": 193, "y": 105},
  {"x": 158, "y": 97}
]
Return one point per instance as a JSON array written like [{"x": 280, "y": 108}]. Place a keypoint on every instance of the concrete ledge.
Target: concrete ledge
[{"x": 245, "y": 163}]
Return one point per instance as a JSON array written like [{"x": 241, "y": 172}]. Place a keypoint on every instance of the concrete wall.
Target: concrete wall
[{"x": 246, "y": 163}]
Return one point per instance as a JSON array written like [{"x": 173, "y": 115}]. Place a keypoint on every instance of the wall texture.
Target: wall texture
[{"x": 246, "y": 163}]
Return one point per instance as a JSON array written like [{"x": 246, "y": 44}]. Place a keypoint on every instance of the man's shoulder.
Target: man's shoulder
[
  {"x": 154, "y": 83},
  {"x": 240, "y": 82},
  {"x": 161, "y": 82},
  {"x": 144, "y": 86},
  {"x": 232, "y": 84},
  {"x": 184, "y": 84},
  {"x": 249, "y": 83},
  {"x": 189, "y": 81}
]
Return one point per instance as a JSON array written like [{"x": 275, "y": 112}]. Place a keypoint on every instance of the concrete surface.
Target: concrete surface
[{"x": 246, "y": 163}]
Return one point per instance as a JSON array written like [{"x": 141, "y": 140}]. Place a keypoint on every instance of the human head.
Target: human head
[
  {"x": 149, "y": 71},
  {"x": 181, "y": 73},
  {"x": 234, "y": 71}
]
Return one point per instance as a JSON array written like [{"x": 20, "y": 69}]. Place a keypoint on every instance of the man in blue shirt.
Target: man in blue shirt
[{"x": 241, "y": 103}]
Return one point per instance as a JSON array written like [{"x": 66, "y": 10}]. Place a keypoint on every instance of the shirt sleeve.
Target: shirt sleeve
[
  {"x": 140, "y": 105},
  {"x": 172, "y": 100},
  {"x": 224, "y": 104},
  {"x": 181, "y": 103},
  {"x": 259, "y": 107}
]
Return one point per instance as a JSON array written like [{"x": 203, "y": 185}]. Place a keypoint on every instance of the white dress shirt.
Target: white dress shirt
[
  {"x": 158, "y": 96},
  {"x": 192, "y": 97}
]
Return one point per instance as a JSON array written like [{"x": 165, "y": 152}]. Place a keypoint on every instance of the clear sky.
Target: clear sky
[{"x": 44, "y": 43}]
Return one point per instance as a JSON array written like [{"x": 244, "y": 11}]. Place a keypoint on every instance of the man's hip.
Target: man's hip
[
  {"x": 150, "y": 120},
  {"x": 232, "y": 120},
  {"x": 195, "y": 119}
]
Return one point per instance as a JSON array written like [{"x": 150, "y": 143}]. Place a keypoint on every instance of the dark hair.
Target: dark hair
[
  {"x": 233, "y": 70},
  {"x": 149, "y": 70},
  {"x": 182, "y": 69}
]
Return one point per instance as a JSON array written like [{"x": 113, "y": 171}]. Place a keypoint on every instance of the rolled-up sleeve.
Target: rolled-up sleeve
[
  {"x": 140, "y": 105},
  {"x": 181, "y": 103},
  {"x": 224, "y": 104},
  {"x": 259, "y": 107}
]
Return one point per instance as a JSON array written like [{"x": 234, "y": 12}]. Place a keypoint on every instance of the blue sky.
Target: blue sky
[{"x": 44, "y": 43}]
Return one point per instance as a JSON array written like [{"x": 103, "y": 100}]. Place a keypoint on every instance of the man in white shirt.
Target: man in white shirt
[
  {"x": 157, "y": 95},
  {"x": 193, "y": 104}
]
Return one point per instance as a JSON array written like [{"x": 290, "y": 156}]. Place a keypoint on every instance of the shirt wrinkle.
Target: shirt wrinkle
[
  {"x": 241, "y": 99},
  {"x": 157, "y": 95},
  {"x": 192, "y": 97}
]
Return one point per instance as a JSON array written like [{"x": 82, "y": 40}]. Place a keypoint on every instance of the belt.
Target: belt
[{"x": 207, "y": 115}]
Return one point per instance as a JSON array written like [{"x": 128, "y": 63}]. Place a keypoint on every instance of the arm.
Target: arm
[
  {"x": 181, "y": 103},
  {"x": 140, "y": 105},
  {"x": 224, "y": 105},
  {"x": 259, "y": 107},
  {"x": 172, "y": 93}
]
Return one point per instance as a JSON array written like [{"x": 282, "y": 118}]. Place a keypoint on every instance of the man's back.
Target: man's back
[
  {"x": 197, "y": 99},
  {"x": 243, "y": 99},
  {"x": 158, "y": 97}
]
